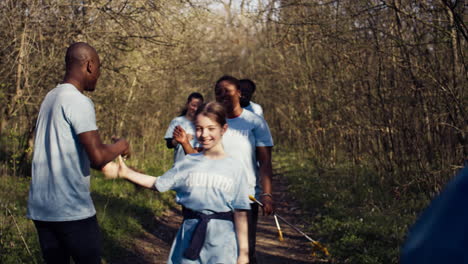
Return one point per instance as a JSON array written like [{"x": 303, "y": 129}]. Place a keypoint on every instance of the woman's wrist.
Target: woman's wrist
[
  {"x": 244, "y": 252},
  {"x": 243, "y": 248}
]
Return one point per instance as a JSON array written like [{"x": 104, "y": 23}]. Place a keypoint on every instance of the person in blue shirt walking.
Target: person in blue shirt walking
[
  {"x": 183, "y": 124},
  {"x": 212, "y": 188},
  {"x": 440, "y": 235},
  {"x": 248, "y": 139},
  {"x": 247, "y": 88},
  {"x": 67, "y": 144}
]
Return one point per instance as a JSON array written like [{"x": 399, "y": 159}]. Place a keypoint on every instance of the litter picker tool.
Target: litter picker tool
[
  {"x": 280, "y": 233},
  {"x": 315, "y": 244}
]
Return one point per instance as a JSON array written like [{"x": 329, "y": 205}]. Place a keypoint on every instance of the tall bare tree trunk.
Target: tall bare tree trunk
[
  {"x": 13, "y": 104},
  {"x": 458, "y": 76}
]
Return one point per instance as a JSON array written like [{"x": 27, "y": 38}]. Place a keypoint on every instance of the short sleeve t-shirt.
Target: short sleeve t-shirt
[
  {"x": 189, "y": 128},
  {"x": 59, "y": 189},
  {"x": 244, "y": 134},
  {"x": 207, "y": 185},
  {"x": 255, "y": 108}
]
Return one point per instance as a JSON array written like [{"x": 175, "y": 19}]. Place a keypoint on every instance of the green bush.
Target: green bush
[
  {"x": 358, "y": 214},
  {"x": 14, "y": 227}
]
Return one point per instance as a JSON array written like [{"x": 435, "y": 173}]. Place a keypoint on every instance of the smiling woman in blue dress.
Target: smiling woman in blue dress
[
  {"x": 248, "y": 139},
  {"x": 212, "y": 188}
]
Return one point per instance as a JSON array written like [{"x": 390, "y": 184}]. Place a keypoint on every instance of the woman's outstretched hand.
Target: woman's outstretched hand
[
  {"x": 114, "y": 170},
  {"x": 134, "y": 176},
  {"x": 122, "y": 170}
]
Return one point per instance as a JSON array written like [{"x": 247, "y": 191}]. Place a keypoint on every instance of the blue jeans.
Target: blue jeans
[{"x": 80, "y": 240}]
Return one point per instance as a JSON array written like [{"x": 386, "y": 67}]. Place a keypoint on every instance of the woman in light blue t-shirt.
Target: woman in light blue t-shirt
[
  {"x": 183, "y": 126},
  {"x": 212, "y": 188},
  {"x": 248, "y": 139}
]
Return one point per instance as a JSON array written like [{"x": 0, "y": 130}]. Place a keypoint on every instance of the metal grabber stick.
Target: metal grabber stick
[
  {"x": 315, "y": 243},
  {"x": 280, "y": 233}
]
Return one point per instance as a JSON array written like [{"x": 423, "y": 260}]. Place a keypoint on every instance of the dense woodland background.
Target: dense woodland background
[{"x": 374, "y": 84}]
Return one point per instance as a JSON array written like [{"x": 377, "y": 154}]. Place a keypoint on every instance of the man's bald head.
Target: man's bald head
[
  {"x": 82, "y": 66},
  {"x": 79, "y": 53}
]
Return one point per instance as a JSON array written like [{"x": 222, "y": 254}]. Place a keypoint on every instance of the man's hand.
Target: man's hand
[
  {"x": 99, "y": 153},
  {"x": 126, "y": 153},
  {"x": 268, "y": 204}
]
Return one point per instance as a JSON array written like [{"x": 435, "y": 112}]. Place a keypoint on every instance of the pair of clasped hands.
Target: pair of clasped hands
[
  {"x": 114, "y": 170},
  {"x": 119, "y": 169}
]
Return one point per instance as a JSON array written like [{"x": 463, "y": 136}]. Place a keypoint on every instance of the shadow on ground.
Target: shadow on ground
[{"x": 150, "y": 245}]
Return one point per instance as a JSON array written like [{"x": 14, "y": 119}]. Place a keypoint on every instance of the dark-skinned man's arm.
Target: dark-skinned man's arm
[
  {"x": 99, "y": 153},
  {"x": 266, "y": 174}
]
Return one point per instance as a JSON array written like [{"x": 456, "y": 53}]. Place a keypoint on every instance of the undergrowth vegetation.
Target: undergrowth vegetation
[
  {"x": 124, "y": 212},
  {"x": 380, "y": 85},
  {"x": 359, "y": 217}
]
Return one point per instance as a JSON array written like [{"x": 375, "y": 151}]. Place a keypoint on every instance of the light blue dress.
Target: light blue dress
[{"x": 207, "y": 186}]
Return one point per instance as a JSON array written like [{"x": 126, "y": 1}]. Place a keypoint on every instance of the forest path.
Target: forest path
[
  {"x": 295, "y": 248},
  {"x": 154, "y": 246}
]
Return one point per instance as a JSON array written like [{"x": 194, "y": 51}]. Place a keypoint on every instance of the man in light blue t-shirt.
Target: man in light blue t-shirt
[
  {"x": 247, "y": 88},
  {"x": 67, "y": 144}
]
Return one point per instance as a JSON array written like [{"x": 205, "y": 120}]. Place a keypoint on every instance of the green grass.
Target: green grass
[
  {"x": 124, "y": 213},
  {"x": 356, "y": 213},
  {"x": 13, "y": 224},
  {"x": 360, "y": 216}
]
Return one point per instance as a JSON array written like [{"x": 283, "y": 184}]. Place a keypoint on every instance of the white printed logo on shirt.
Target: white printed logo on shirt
[
  {"x": 215, "y": 181},
  {"x": 238, "y": 132}
]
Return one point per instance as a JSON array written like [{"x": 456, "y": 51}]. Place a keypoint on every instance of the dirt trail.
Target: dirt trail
[
  {"x": 294, "y": 249},
  {"x": 154, "y": 246}
]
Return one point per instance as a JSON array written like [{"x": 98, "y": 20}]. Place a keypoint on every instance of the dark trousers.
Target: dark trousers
[
  {"x": 80, "y": 240},
  {"x": 252, "y": 218}
]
